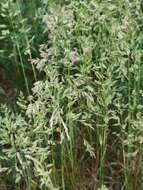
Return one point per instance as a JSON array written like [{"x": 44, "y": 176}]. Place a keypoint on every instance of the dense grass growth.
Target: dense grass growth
[
  {"x": 21, "y": 33},
  {"x": 81, "y": 125}
]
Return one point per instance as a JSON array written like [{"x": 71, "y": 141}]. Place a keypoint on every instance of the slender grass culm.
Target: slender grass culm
[{"x": 79, "y": 126}]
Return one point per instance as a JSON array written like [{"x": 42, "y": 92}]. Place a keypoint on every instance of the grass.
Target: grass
[{"x": 79, "y": 124}]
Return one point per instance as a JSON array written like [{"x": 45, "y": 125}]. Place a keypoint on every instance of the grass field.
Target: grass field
[{"x": 71, "y": 95}]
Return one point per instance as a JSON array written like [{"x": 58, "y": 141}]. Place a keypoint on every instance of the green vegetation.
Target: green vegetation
[{"x": 75, "y": 118}]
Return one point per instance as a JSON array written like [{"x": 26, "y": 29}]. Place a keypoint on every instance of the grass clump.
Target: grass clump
[{"x": 81, "y": 127}]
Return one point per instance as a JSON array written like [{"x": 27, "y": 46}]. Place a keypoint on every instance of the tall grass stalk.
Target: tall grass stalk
[{"x": 26, "y": 39}]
